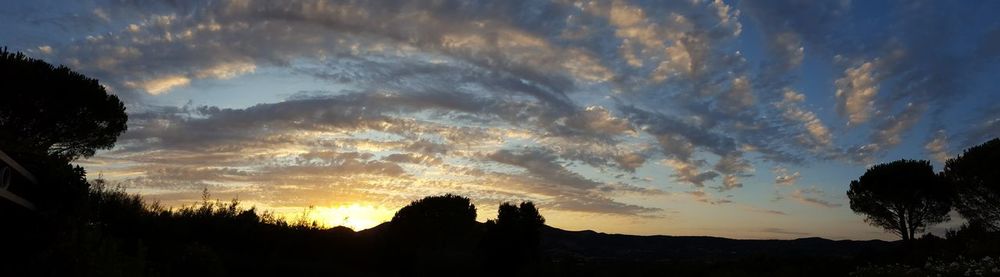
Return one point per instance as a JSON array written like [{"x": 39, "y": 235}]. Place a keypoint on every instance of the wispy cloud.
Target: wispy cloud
[
  {"x": 782, "y": 231},
  {"x": 813, "y": 196}
]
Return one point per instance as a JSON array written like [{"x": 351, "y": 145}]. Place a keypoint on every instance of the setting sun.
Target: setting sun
[{"x": 355, "y": 216}]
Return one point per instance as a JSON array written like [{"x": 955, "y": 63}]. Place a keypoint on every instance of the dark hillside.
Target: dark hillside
[
  {"x": 589, "y": 253},
  {"x": 600, "y": 246}
]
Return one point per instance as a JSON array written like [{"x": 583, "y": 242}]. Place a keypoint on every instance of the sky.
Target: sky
[{"x": 742, "y": 119}]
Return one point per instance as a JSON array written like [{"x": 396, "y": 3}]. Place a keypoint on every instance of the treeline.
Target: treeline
[{"x": 119, "y": 234}]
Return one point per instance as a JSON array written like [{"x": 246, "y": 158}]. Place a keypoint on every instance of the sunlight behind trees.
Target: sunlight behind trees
[{"x": 355, "y": 216}]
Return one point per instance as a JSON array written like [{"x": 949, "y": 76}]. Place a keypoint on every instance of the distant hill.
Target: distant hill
[
  {"x": 590, "y": 253},
  {"x": 592, "y": 245}
]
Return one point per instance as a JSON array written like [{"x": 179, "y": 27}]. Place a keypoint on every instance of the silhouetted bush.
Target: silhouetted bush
[{"x": 986, "y": 266}]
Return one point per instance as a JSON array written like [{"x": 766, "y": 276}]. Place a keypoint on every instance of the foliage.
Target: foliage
[
  {"x": 902, "y": 197},
  {"x": 119, "y": 234},
  {"x": 976, "y": 177},
  {"x": 525, "y": 216},
  {"x": 512, "y": 239},
  {"x": 49, "y": 117},
  {"x": 517, "y": 227},
  {"x": 986, "y": 266},
  {"x": 437, "y": 212},
  {"x": 973, "y": 240},
  {"x": 431, "y": 235},
  {"x": 55, "y": 110}
]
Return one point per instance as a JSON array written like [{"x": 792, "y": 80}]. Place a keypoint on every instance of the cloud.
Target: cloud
[
  {"x": 856, "y": 91},
  {"x": 783, "y": 178},
  {"x": 774, "y": 212},
  {"x": 788, "y": 48},
  {"x": 225, "y": 39},
  {"x": 550, "y": 58},
  {"x": 788, "y": 28},
  {"x": 599, "y": 121},
  {"x": 630, "y": 161},
  {"x": 937, "y": 147},
  {"x": 366, "y": 145},
  {"x": 909, "y": 58},
  {"x": 686, "y": 172},
  {"x": 226, "y": 70},
  {"x": 813, "y": 196},
  {"x": 676, "y": 139},
  {"x": 789, "y": 22},
  {"x": 161, "y": 84},
  {"x": 703, "y": 197},
  {"x": 412, "y": 158},
  {"x": 889, "y": 131},
  {"x": 45, "y": 49},
  {"x": 985, "y": 127},
  {"x": 739, "y": 97},
  {"x": 817, "y": 135},
  {"x": 730, "y": 182},
  {"x": 732, "y": 166},
  {"x": 782, "y": 231},
  {"x": 544, "y": 165}
]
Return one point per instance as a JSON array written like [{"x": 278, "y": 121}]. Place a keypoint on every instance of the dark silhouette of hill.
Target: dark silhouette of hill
[
  {"x": 591, "y": 245},
  {"x": 600, "y": 246},
  {"x": 590, "y": 253}
]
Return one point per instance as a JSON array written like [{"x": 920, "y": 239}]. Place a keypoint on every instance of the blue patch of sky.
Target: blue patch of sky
[{"x": 266, "y": 85}]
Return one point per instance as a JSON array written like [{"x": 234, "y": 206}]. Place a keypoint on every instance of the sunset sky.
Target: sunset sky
[{"x": 742, "y": 119}]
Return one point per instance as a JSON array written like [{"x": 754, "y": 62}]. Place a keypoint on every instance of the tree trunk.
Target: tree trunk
[{"x": 904, "y": 230}]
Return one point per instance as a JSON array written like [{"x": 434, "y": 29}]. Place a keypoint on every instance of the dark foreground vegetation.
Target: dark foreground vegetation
[
  {"x": 74, "y": 227},
  {"x": 114, "y": 233}
]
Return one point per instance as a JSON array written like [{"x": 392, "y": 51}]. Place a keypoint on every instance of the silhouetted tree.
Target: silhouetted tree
[
  {"x": 524, "y": 221},
  {"x": 50, "y": 116},
  {"x": 975, "y": 176},
  {"x": 437, "y": 211},
  {"x": 432, "y": 235},
  {"x": 54, "y": 110},
  {"x": 902, "y": 197},
  {"x": 512, "y": 239}
]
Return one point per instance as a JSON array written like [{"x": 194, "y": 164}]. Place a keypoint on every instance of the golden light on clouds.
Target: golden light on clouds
[{"x": 161, "y": 85}]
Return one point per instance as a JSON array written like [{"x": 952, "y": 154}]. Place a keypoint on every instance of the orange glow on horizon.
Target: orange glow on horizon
[{"x": 355, "y": 216}]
